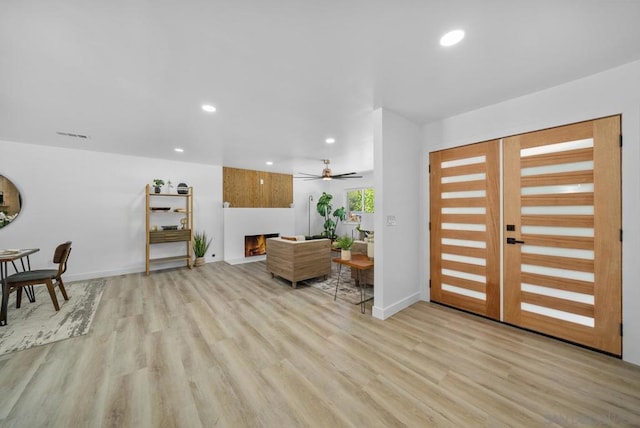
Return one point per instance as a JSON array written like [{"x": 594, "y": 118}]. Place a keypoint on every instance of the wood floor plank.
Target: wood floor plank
[
  {"x": 227, "y": 345},
  {"x": 127, "y": 403},
  {"x": 419, "y": 410},
  {"x": 310, "y": 405},
  {"x": 16, "y": 374}
]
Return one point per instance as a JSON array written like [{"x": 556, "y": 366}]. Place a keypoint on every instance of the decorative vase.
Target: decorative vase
[
  {"x": 156, "y": 189},
  {"x": 183, "y": 189},
  {"x": 370, "y": 248},
  {"x": 199, "y": 261},
  {"x": 345, "y": 254}
]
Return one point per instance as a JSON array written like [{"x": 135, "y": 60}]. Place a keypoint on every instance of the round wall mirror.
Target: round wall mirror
[{"x": 10, "y": 201}]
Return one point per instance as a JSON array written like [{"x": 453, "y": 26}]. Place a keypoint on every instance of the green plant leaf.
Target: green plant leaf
[
  {"x": 201, "y": 243},
  {"x": 341, "y": 213},
  {"x": 325, "y": 208},
  {"x": 345, "y": 242}
]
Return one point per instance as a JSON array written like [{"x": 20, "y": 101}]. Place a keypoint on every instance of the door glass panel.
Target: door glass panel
[
  {"x": 550, "y": 190},
  {"x": 560, "y": 294},
  {"x": 561, "y": 231},
  {"x": 464, "y": 243},
  {"x": 558, "y": 252},
  {"x": 468, "y": 194},
  {"x": 463, "y": 178},
  {"x": 560, "y": 273},
  {"x": 586, "y": 143},
  {"x": 559, "y": 210},
  {"x": 464, "y": 210},
  {"x": 464, "y": 291},
  {"x": 464, "y": 275},
  {"x": 464, "y": 259},
  {"x": 464, "y": 161},
  {"x": 554, "y": 313},
  {"x": 463, "y": 226},
  {"x": 564, "y": 167}
]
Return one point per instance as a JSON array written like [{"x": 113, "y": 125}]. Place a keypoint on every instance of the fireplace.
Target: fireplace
[
  {"x": 239, "y": 222},
  {"x": 256, "y": 245}
]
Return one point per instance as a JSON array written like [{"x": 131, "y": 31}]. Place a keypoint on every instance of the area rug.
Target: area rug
[
  {"x": 347, "y": 289},
  {"x": 38, "y": 323}
]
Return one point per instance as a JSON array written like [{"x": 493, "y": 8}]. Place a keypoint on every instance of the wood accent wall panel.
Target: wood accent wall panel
[
  {"x": 277, "y": 190},
  {"x": 244, "y": 188},
  {"x": 240, "y": 187}
]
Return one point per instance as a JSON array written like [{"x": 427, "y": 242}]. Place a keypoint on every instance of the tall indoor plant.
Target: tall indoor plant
[{"x": 324, "y": 208}]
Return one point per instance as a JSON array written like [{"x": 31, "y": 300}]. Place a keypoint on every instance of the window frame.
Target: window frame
[{"x": 357, "y": 219}]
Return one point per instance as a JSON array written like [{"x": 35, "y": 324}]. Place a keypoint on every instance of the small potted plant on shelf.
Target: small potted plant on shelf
[
  {"x": 200, "y": 246},
  {"x": 157, "y": 183},
  {"x": 345, "y": 243}
]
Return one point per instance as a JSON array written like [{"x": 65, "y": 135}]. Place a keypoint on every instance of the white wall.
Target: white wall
[
  {"x": 397, "y": 182},
  {"x": 616, "y": 91},
  {"x": 241, "y": 222},
  {"x": 97, "y": 201},
  {"x": 338, "y": 188},
  {"x": 307, "y": 219}
]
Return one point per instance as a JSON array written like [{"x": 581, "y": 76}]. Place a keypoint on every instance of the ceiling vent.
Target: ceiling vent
[{"x": 70, "y": 134}]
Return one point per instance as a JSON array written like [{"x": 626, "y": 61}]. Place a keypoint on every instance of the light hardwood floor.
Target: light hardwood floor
[{"x": 229, "y": 346}]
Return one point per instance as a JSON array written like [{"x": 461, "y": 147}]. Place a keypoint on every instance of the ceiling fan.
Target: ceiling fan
[{"x": 326, "y": 174}]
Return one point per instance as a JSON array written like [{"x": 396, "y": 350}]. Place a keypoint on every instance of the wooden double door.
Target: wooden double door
[{"x": 527, "y": 230}]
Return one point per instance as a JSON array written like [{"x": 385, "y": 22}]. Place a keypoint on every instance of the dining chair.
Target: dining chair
[{"x": 50, "y": 277}]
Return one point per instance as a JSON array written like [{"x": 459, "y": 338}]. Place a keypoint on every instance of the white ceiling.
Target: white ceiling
[{"x": 284, "y": 75}]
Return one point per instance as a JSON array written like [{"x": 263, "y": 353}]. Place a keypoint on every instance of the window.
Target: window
[{"x": 359, "y": 201}]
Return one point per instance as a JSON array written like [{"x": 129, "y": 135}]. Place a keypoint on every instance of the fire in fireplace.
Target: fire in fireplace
[{"x": 256, "y": 245}]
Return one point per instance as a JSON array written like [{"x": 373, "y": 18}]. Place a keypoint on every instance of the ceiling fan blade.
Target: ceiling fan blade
[
  {"x": 347, "y": 175},
  {"x": 326, "y": 174},
  {"x": 309, "y": 178}
]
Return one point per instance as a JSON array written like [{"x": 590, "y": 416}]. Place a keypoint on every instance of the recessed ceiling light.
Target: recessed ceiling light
[
  {"x": 208, "y": 108},
  {"x": 269, "y": 163},
  {"x": 330, "y": 140},
  {"x": 178, "y": 149},
  {"x": 452, "y": 37}
]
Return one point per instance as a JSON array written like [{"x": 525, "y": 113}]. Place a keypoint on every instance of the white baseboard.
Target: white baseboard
[
  {"x": 384, "y": 313},
  {"x": 122, "y": 271},
  {"x": 102, "y": 274},
  {"x": 246, "y": 260}
]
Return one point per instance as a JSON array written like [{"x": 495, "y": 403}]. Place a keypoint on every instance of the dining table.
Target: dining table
[{"x": 12, "y": 256}]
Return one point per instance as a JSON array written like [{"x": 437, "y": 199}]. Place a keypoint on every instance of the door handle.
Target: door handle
[{"x": 514, "y": 241}]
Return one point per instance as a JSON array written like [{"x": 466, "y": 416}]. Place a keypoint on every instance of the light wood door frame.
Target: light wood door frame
[
  {"x": 566, "y": 293},
  {"x": 566, "y": 284},
  {"x": 465, "y": 256}
]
